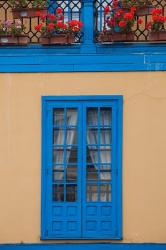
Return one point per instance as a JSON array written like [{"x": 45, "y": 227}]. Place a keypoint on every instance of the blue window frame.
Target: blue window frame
[{"x": 81, "y": 167}]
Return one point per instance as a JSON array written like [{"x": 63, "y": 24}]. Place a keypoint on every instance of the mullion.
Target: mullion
[
  {"x": 65, "y": 151},
  {"x": 98, "y": 165}
]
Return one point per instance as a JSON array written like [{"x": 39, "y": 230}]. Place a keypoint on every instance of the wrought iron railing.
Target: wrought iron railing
[
  {"x": 71, "y": 10},
  {"x": 74, "y": 9},
  {"x": 140, "y": 30}
]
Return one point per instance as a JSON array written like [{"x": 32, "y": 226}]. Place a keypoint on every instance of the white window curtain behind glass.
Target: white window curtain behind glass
[
  {"x": 105, "y": 139},
  {"x": 59, "y": 140}
]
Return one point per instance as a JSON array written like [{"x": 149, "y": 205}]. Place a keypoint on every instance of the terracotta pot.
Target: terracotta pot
[
  {"x": 145, "y": 10},
  {"x": 14, "y": 40},
  {"x": 104, "y": 37},
  {"x": 121, "y": 36},
  {"x": 27, "y": 12},
  {"x": 116, "y": 37},
  {"x": 58, "y": 39},
  {"x": 157, "y": 36}
]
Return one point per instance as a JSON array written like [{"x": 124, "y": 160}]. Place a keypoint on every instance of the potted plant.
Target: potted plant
[
  {"x": 55, "y": 31},
  {"x": 156, "y": 26},
  {"x": 118, "y": 25},
  {"x": 11, "y": 33},
  {"x": 21, "y": 8},
  {"x": 143, "y": 7}
]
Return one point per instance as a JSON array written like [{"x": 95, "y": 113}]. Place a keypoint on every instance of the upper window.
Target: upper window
[{"x": 81, "y": 189}]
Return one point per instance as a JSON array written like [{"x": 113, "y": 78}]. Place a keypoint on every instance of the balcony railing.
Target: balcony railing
[
  {"x": 71, "y": 10},
  {"x": 89, "y": 11},
  {"x": 140, "y": 31}
]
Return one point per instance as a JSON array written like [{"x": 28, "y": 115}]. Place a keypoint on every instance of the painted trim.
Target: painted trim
[
  {"x": 121, "y": 57},
  {"x": 88, "y": 246}
]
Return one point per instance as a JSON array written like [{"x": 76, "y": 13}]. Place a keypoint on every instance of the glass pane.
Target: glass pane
[
  {"x": 58, "y": 137},
  {"x": 58, "y": 192},
  {"x": 71, "y": 173},
  {"x": 92, "y": 136},
  {"x": 92, "y": 155},
  {"x": 71, "y": 137},
  {"x": 71, "y": 117},
  {"x": 105, "y": 192},
  {"x": 58, "y": 176},
  {"x": 105, "y": 154},
  {"x": 105, "y": 136},
  {"x": 105, "y": 173},
  {"x": 58, "y": 155},
  {"x": 92, "y": 172},
  {"x": 58, "y": 117},
  {"x": 105, "y": 117},
  {"x": 72, "y": 154},
  {"x": 92, "y": 192},
  {"x": 92, "y": 116},
  {"x": 71, "y": 193}
]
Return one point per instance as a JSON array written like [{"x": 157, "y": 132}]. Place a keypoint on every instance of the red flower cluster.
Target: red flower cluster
[
  {"x": 119, "y": 19},
  {"x": 54, "y": 23},
  {"x": 75, "y": 25},
  {"x": 158, "y": 20}
]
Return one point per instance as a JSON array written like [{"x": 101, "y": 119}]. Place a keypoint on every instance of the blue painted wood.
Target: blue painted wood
[
  {"x": 62, "y": 219},
  {"x": 83, "y": 58},
  {"x": 88, "y": 246},
  {"x": 56, "y": 212}
]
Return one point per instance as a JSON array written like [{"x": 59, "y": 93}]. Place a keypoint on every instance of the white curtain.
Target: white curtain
[
  {"x": 59, "y": 140},
  {"x": 71, "y": 133},
  {"x": 105, "y": 139}
]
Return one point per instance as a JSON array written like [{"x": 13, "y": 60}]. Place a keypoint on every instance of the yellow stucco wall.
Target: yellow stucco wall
[{"x": 144, "y": 149}]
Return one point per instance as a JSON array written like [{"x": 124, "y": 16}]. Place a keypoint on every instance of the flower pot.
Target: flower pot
[
  {"x": 104, "y": 37},
  {"x": 14, "y": 40},
  {"x": 157, "y": 36},
  {"x": 27, "y": 12},
  {"x": 116, "y": 37},
  {"x": 122, "y": 37},
  {"x": 57, "y": 39},
  {"x": 145, "y": 10}
]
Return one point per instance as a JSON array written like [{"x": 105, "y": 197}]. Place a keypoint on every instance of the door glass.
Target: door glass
[
  {"x": 65, "y": 154},
  {"x": 98, "y": 154}
]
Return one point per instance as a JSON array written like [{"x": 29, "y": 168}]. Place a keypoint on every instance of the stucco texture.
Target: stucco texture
[{"x": 144, "y": 149}]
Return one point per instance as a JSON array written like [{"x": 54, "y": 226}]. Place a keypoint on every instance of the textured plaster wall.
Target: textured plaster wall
[{"x": 144, "y": 149}]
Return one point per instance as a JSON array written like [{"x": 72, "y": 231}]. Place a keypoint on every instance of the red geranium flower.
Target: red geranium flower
[
  {"x": 38, "y": 13},
  {"x": 52, "y": 17},
  {"x": 51, "y": 26},
  {"x": 106, "y": 10},
  {"x": 140, "y": 21},
  {"x": 59, "y": 10},
  {"x": 39, "y": 27},
  {"x": 122, "y": 23},
  {"x": 128, "y": 16},
  {"x": 156, "y": 11}
]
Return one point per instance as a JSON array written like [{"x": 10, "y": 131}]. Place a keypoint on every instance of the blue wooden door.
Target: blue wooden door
[
  {"x": 63, "y": 171},
  {"x": 81, "y": 182},
  {"x": 99, "y": 171}
]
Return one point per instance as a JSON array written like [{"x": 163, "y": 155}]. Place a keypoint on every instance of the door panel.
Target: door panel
[
  {"x": 64, "y": 175},
  {"x": 98, "y": 220}
]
